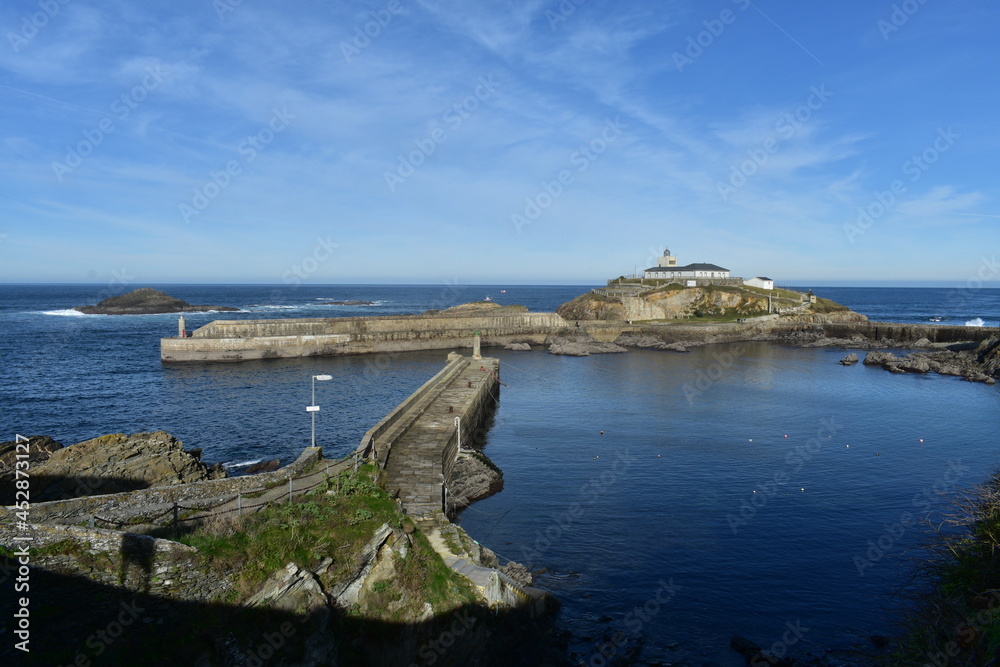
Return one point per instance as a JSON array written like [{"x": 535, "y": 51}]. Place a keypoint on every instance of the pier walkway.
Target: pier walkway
[{"x": 418, "y": 442}]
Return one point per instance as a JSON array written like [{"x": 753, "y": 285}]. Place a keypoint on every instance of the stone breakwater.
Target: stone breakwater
[{"x": 239, "y": 340}]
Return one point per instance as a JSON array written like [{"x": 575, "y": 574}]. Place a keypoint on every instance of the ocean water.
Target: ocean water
[{"x": 739, "y": 489}]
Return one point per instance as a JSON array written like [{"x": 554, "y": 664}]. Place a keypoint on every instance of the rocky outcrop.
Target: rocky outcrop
[
  {"x": 592, "y": 306},
  {"x": 473, "y": 478},
  {"x": 849, "y": 360},
  {"x": 518, "y": 347},
  {"x": 479, "y": 308},
  {"x": 39, "y": 447},
  {"x": 112, "y": 464},
  {"x": 263, "y": 466},
  {"x": 980, "y": 364},
  {"x": 677, "y": 302},
  {"x": 648, "y": 342},
  {"x": 145, "y": 301},
  {"x": 584, "y": 348}
]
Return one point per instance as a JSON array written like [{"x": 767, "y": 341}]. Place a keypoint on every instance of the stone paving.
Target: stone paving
[{"x": 415, "y": 466}]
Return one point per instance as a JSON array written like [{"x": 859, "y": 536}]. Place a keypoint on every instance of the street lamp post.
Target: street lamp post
[{"x": 315, "y": 408}]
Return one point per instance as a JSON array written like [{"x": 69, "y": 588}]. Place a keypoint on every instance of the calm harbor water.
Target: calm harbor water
[{"x": 740, "y": 505}]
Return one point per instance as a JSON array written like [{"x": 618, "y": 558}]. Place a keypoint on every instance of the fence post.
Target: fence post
[
  {"x": 289, "y": 489},
  {"x": 239, "y": 503},
  {"x": 355, "y": 461}
]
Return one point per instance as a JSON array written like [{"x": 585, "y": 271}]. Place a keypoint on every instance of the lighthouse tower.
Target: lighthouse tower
[{"x": 667, "y": 259}]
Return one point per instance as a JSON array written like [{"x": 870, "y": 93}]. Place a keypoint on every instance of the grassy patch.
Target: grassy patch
[{"x": 958, "y": 618}]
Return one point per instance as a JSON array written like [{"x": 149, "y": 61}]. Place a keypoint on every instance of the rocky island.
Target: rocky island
[{"x": 146, "y": 301}]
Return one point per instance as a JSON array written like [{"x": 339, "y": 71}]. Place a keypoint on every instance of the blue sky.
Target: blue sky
[{"x": 414, "y": 141}]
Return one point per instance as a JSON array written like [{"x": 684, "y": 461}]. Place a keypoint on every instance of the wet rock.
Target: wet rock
[
  {"x": 849, "y": 360},
  {"x": 518, "y": 347},
  {"x": 263, "y": 466},
  {"x": 586, "y": 348},
  {"x": 878, "y": 358}
]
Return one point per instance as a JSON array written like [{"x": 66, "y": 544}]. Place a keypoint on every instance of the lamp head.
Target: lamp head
[{"x": 322, "y": 377}]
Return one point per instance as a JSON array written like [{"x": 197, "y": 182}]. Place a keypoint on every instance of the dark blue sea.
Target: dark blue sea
[{"x": 782, "y": 499}]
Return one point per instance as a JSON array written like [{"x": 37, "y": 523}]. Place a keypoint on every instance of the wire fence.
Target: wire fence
[{"x": 271, "y": 493}]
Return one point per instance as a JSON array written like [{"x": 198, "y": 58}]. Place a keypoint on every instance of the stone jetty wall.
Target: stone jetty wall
[{"x": 239, "y": 340}]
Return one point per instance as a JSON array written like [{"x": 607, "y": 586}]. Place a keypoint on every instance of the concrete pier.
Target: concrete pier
[
  {"x": 418, "y": 442},
  {"x": 240, "y": 340}
]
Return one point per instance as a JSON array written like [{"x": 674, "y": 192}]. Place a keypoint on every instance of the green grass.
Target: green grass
[{"x": 958, "y": 616}]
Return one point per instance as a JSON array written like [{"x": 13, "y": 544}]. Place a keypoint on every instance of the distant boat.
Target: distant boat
[
  {"x": 489, "y": 298},
  {"x": 936, "y": 319},
  {"x": 503, "y": 291}
]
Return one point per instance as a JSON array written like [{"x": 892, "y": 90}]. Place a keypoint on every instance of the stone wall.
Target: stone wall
[
  {"x": 237, "y": 340},
  {"x": 133, "y": 506},
  {"x": 372, "y": 440},
  {"x": 134, "y": 562}
]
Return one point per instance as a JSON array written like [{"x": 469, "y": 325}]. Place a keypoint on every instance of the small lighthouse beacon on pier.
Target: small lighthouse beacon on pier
[{"x": 181, "y": 327}]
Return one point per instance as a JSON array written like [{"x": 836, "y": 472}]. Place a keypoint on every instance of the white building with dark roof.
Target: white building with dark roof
[
  {"x": 760, "y": 281},
  {"x": 666, "y": 268}
]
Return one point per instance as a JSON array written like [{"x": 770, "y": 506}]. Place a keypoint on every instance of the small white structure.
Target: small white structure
[{"x": 759, "y": 281}]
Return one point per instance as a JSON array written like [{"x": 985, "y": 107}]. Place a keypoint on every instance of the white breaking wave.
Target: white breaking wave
[
  {"x": 978, "y": 322},
  {"x": 242, "y": 464},
  {"x": 66, "y": 312}
]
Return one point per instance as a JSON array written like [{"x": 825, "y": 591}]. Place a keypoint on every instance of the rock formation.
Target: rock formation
[
  {"x": 476, "y": 308},
  {"x": 112, "y": 464},
  {"x": 474, "y": 477},
  {"x": 39, "y": 449},
  {"x": 145, "y": 301},
  {"x": 978, "y": 364},
  {"x": 674, "y": 301}
]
